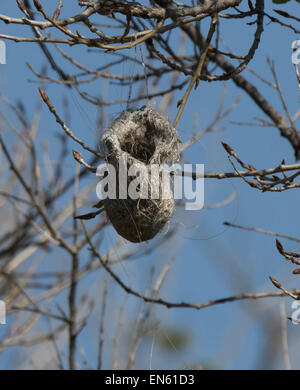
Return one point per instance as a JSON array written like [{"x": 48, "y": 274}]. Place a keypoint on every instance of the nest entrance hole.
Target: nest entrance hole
[{"x": 139, "y": 143}]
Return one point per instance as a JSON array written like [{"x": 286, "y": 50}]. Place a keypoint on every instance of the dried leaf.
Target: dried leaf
[{"x": 89, "y": 215}]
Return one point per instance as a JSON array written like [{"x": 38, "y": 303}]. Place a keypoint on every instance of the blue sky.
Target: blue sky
[{"x": 211, "y": 261}]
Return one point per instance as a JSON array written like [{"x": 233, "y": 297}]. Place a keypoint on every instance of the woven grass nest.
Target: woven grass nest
[{"x": 144, "y": 137}]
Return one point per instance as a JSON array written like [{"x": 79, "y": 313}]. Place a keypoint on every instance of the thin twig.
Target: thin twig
[{"x": 198, "y": 71}]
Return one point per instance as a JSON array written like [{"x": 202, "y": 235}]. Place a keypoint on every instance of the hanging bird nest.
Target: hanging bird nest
[{"x": 143, "y": 137}]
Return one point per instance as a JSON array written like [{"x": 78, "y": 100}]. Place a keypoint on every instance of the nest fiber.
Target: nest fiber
[{"x": 144, "y": 137}]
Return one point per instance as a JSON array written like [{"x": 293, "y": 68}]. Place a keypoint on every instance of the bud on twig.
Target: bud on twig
[
  {"x": 275, "y": 282},
  {"x": 37, "y": 5}
]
